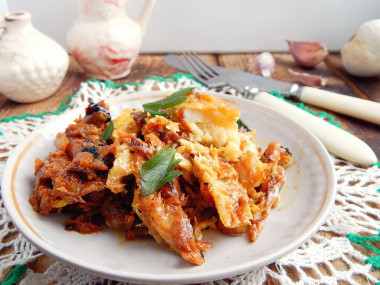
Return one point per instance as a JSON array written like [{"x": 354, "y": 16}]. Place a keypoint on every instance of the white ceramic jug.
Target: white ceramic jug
[
  {"x": 32, "y": 65},
  {"x": 103, "y": 40}
]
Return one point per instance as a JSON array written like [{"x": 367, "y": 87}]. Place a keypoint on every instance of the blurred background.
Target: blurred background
[{"x": 221, "y": 25}]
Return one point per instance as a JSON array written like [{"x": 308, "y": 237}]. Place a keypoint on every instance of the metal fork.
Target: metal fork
[
  {"x": 203, "y": 71},
  {"x": 209, "y": 76}
]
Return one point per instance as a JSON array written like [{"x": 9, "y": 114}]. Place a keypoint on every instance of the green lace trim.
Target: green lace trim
[
  {"x": 362, "y": 240},
  {"x": 15, "y": 274},
  {"x": 60, "y": 109},
  {"x": 327, "y": 117}
]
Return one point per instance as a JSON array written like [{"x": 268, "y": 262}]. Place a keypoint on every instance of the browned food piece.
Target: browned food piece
[
  {"x": 119, "y": 215},
  {"x": 42, "y": 200},
  {"x": 268, "y": 191},
  {"x": 167, "y": 222},
  {"x": 127, "y": 129},
  {"x": 78, "y": 168},
  {"x": 85, "y": 223},
  {"x": 159, "y": 131},
  {"x": 220, "y": 186},
  {"x": 251, "y": 170}
]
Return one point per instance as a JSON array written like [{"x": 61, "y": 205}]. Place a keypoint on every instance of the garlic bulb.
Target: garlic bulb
[{"x": 361, "y": 55}]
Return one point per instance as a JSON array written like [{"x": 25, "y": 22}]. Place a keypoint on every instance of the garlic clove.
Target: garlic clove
[
  {"x": 309, "y": 79},
  {"x": 307, "y": 54},
  {"x": 361, "y": 55},
  {"x": 264, "y": 63}
]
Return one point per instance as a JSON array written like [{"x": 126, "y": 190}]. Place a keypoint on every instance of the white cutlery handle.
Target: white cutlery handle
[
  {"x": 355, "y": 107},
  {"x": 337, "y": 141}
]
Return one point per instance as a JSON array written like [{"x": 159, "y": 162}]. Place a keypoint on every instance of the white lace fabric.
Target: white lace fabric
[{"x": 328, "y": 257}]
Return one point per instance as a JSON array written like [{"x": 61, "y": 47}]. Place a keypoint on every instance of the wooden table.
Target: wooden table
[{"x": 151, "y": 64}]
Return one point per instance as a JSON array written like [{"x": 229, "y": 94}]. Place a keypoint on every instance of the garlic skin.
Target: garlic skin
[
  {"x": 264, "y": 63},
  {"x": 307, "y": 54},
  {"x": 361, "y": 55},
  {"x": 308, "y": 79}
]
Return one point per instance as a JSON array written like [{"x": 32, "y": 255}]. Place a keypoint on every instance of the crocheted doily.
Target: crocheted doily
[{"x": 328, "y": 257}]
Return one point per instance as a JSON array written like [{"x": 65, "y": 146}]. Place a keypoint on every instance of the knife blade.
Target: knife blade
[
  {"x": 337, "y": 141},
  {"x": 344, "y": 104}
]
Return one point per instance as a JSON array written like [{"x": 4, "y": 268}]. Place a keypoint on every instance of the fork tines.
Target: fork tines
[{"x": 198, "y": 66}]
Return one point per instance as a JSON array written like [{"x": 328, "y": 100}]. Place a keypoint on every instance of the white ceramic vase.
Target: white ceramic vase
[
  {"x": 32, "y": 65},
  {"x": 103, "y": 40}
]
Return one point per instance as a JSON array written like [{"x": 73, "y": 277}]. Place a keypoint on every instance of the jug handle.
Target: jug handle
[{"x": 145, "y": 14}]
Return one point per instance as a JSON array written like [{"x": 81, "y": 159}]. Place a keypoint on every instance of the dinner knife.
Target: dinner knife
[
  {"x": 337, "y": 141},
  {"x": 351, "y": 106}
]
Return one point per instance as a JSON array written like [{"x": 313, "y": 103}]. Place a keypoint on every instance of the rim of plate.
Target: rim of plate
[{"x": 20, "y": 222}]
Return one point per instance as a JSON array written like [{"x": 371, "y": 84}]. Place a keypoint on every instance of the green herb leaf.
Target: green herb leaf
[
  {"x": 242, "y": 124},
  {"x": 107, "y": 132},
  {"x": 161, "y": 107},
  {"x": 158, "y": 170}
]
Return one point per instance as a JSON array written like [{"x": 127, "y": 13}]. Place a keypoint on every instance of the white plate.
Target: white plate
[{"x": 306, "y": 200}]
